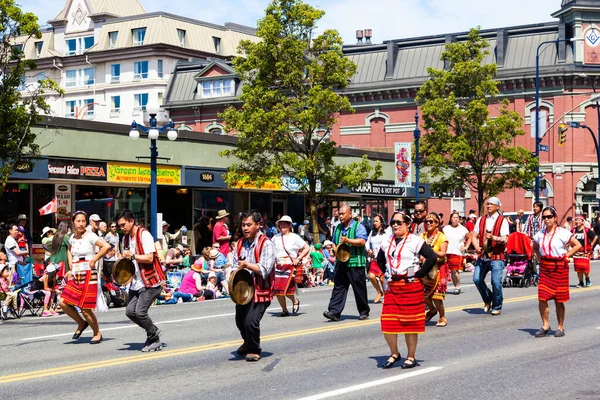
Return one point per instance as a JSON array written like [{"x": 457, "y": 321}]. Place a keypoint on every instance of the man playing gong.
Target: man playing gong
[{"x": 255, "y": 253}]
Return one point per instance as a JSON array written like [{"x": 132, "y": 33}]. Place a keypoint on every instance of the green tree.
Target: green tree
[
  {"x": 290, "y": 77},
  {"x": 464, "y": 144},
  {"x": 18, "y": 113}
]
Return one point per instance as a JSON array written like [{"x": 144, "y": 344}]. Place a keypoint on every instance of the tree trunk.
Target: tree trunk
[
  {"x": 480, "y": 199},
  {"x": 312, "y": 199}
]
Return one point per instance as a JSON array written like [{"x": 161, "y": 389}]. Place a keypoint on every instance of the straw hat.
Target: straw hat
[
  {"x": 222, "y": 214},
  {"x": 285, "y": 218},
  {"x": 214, "y": 253},
  {"x": 46, "y": 230}
]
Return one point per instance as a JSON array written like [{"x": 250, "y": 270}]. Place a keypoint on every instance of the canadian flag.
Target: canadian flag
[{"x": 49, "y": 208}]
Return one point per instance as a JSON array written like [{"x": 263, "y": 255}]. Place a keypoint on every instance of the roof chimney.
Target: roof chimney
[
  {"x": 368, "y": 35},
  {"x": 359, "y": 37}
]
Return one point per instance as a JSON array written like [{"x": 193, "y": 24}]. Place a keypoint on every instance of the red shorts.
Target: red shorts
[{"x": 374, "y": 269}]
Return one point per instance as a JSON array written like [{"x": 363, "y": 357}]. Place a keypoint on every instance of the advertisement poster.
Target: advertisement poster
[
  {"x": 64, "y": 201},
  {"x": 402, "y": 170}
]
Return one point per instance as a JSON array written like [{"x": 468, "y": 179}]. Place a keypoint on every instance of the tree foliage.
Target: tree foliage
[
  {"x": 290, "y": 78},
  {"x": 464, "y": 144},
  {"x": 18, "y": 113}
]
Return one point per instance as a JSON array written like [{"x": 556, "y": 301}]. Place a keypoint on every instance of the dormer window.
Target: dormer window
[
  {"x": 181, "y": 37},
  {"x": 17, "y": 50},
  {"x": 38, "y": 49},
  {"x": 112, "y": 39},
  {"x": 216, "y": 88},
  {"x": 138, "y": 36},
  {"x": 78, "y": 45},
  {"x": 217, "y": 44}
]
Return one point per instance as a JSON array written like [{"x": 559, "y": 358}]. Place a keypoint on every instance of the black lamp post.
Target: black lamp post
[{"x": 417, "y": 134}]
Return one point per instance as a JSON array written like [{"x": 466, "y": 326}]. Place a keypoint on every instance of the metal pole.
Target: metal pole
[
  {"x": 417, "y": 134},
  {"x": 153, "y": 185},
  {"x": 537, "y": 122},
  {"x": 596, "y": 141}
]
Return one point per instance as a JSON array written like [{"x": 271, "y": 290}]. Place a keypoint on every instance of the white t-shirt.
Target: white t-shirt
[
  {"x": 490, "y": 222},
  {"x": 293, "y": 244},
  {"x": 374, "y": 241},
  {"x": 456, "y": 238},
  {"x": 554, "y": 244},
  {"x": 10, "y": 245},
  {"x": 148, "y": 247},
  {"x": 402, "y": 257},
  {"x": 84, "y": 247}
]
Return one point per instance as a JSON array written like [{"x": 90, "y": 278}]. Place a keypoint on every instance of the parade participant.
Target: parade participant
[
  {"x": 418, "y": 225},
  {"x": 551, "y": 246},
  {"x": 290, "y": 249},
  {"x": 489, "y": 239},
  {"x": 59, "y": 248},
  {"x": 221, "y": 233},
  {"x": 376, "y": 237},
  {"x": 257, "y": 254},
  {"x": 403, "y": 304},
  {"x": 352, "y": 272},
  {"x": 13, "y": 252},
  {"x": 534, "y": 221},
  {"x": 568, "y": 225},
  {"x": 82, "y": 290},
  {"x": 138, "y": 246},
  {"x": 459, "y": 241},
  {"x": 435, "y": 289},
  {"x": 581, "y": 260}
]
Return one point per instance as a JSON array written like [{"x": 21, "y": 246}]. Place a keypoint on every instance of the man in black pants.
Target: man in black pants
[{"x": 354, "y": 235}]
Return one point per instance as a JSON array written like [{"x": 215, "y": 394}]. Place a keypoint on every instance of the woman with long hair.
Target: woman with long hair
[
  {"x": 435, "y": 290},
  {"x": 60, "y": 247},
  {"x": 459, "y": 240},
  {"x": 551, "y": 245},
  {"x": 376, "y": 237},
  {"x": 403, "y": 305},
  {"x": 82, "y": 290}
]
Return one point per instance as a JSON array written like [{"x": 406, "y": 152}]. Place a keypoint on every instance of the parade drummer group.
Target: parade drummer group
[{"x": 413, "y": 253}]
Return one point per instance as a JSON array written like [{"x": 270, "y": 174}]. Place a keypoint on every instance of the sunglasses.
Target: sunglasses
[
  {"x": 419, "y": 211},
  {"x": 547, "y": 216},
  {"x": 430, "y": 221},
  {"x": 113, "y": 226},
  {"x": 397, "y": 222}
]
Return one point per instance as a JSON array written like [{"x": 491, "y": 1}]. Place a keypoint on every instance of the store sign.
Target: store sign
[
  {"x": 64, "y": 201},
  {"x": 24, "y": 167},
  {"x": 140, "y": 173},
  {"x": 269, "y": 184},
  {"x": 380, "y": 189},
  {"x": 80, "y": 170}
]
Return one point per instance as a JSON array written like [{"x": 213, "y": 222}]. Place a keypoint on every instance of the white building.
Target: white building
[{"x": 112, "y": 58}]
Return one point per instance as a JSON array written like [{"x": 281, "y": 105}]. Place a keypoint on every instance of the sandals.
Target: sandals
[
  {"x": 442, "y": 322},
  {"x": 543, "y": 332},
  {"x": 409, "y": 363},
  {"x": 390, "y": 364},
  {"x": 252, "y": 357},
  {"x": 559, "y": 333},
  {"x": 377, "y": 298},
  {"x": 430, "y": 314},
  {"x": 296, "y": 306},
  {"x": 457, "y": 291},
  {"x": 284, "y": 314}
]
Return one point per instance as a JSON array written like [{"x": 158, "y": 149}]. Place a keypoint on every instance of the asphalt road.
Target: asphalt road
[{"x": 476, "y": 356}]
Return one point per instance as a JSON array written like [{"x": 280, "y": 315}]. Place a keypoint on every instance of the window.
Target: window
[
  {"x": 22, "y": 84},
  {"x": 216, "y": 131},
  {"x": 80, "y": 77},
  {"x": 112, "y": 39},
  {"x": 217, "y": 88},
  {"x": 71, "y": 78},
  {"x": 159, "y": 68},
  {"x": 38, "y": 49},
  {"x": 181, "y": 36},
  {"x": 88, "y": 42},
  {"x": 140, "y": 101},
  {"x": 89, "y": 76},
  {"x": 78, "y": 45},
  {"x": 17, "y": 49},
  {"x": 71, "y": 47},
  {"x": 217, "y": 44},
  {"x": 138, "y": 36},
  {"x": 70, "y": 108},
  {"x": 115, "y": 105},
  {"x": 88, "y": 105},
  {"x": 160, "y": 98},
  {"x": 140, "y": 70},
  {"x": 115, "y": 73}
]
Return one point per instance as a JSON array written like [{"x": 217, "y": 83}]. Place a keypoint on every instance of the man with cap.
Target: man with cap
[
  {"x": 94, "y": 225},
  {"x": 168, "y": 237},
  {"x": 221, "y": 233},
  {"x": 581, "y": 260},
  {"x": 174, "y": 256},
  {"x": 489, "y": 239}
]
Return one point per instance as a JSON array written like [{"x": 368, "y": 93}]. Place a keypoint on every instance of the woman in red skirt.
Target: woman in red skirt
[
  {"x": 403, "y": 305},
  {"x": 81, "y": 291},
  {"x": 459, "y": 241},
  {"x": 435, "y": 289},
  {"x": 551, "y": 245},
  {"x": 376, "y": 237}
]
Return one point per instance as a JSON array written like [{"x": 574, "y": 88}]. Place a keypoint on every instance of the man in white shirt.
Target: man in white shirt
[
  {"x": 489, "y": 239},
  {"x": 147, "y": 283},
  {"x": 14, "y": 254}
]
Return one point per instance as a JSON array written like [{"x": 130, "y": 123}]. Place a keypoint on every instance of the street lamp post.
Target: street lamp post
[
  {"x": 153, "y": 132},
  {"x": 595, "y": 140},
  {"x": 574, "y": 124},
  {"x": 417, "y": 134}
]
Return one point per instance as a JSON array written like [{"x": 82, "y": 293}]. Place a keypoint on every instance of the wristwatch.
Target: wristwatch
[{"x": 132, "y": 258}]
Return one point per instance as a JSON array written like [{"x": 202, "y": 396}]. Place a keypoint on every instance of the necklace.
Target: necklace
[{"x": 431, "y": 239}]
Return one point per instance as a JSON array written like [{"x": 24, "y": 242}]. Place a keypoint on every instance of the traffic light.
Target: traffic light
[{"x": 562, "y": 134}]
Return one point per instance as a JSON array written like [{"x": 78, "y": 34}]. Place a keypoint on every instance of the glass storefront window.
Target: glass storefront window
[{"x": 107, "y": 201}]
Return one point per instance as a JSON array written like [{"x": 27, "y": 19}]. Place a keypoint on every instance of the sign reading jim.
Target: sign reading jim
[{"x": 80, "y": 170}]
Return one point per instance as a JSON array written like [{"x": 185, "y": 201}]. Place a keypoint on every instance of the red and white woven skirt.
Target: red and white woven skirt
[
  {"x": 554, "y": 280},
  {"x": 82, "y": 290},
  {"x": 403, "y": 308},
  {"x": 455, "y": 262},
  {"x": 284, "y": 280},
  {"x": 582, "y": 263}
]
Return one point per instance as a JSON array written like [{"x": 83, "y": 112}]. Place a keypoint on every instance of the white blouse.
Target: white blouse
[
  {"x": 374, "y": 241},
  {"x": 553, "y": 244},
  {"x": 84, "y": 247},
  {"x": 402, "y": 258},
  {"x": 293, "y": 244}
]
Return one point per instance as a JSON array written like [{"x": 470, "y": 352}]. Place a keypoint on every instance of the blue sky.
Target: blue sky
[{"x": 389, "y": 19}]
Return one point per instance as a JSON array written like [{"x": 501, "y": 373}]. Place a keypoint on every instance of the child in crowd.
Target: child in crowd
[
  {"x": 187, "y": 257},
  {"x": 318, "y": 261},
  {"x": 211, "y": 286},
  {"x": 47, "y": 284},
  {"x": 6, "y": 295}
]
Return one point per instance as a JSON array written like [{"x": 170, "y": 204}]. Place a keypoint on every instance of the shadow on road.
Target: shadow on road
[{"x": 474, "y": 311}]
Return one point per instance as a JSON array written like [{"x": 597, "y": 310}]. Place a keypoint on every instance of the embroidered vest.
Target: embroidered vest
[
  {"x": 497, "y": 248},
  {"x": 263, "y": 288},
  {"x": 357, "y": 253},
  {"x": 152, "y": 274}
]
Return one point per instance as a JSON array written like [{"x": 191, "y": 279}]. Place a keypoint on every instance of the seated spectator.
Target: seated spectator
[
  {"x": 174, "y": 257},
  {"x": 47, "y": 284},
  {"x": 318, "y": 262},
  {"x": 187, "y": 257},
  {"x": 190, "y": 288},
  {"x": 329, "y": 266},
  {"x": 211, "y": 286},
  {"x": 6, "y": 296}
]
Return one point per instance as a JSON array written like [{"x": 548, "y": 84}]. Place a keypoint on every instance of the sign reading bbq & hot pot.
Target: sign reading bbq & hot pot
[{"x": 79, "y": 170}]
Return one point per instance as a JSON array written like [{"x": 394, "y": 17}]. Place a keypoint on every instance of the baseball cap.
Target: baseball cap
[
  {"x": 495, "y": 200},
  {"x": 95, "y": 217}
]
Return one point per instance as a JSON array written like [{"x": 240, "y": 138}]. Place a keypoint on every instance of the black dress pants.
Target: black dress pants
[
  {"x": 247, "y": 319},
  {"x": 344, "y": 277}
]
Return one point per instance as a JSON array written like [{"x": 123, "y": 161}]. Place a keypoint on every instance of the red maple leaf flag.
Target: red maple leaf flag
[{"x": 49, "y": 208}]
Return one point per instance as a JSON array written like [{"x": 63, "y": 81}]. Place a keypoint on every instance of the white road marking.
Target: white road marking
[
  {"x": 129, "y": 326},
  {"x": 371, "y": 384}
]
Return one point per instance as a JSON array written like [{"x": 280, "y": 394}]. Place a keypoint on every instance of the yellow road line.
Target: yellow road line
[{"x": 214, "y": 346}]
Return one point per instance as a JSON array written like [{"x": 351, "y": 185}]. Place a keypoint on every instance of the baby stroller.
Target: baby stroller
[{"x": 519, "y": 271}]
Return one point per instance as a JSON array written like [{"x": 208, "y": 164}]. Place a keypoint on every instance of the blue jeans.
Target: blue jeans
[
  {"x": 176, "y": 295},
  {"x": 482, "y": 268}
]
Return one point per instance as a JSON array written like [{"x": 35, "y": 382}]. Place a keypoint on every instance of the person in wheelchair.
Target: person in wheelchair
[{"x": 6, "y": 296}]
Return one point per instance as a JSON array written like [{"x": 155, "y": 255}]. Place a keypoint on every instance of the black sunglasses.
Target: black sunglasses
[
  {"x": 398, "y": 222},
  {"x": 430, "y": 221},
  {"x": 547, "y": 216},
  {"x": 419, "y": 211}
]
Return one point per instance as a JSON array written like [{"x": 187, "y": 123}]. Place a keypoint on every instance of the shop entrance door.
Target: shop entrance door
[{"x": 279, "y": 205}]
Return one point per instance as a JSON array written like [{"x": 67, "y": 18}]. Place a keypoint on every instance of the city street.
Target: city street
[{"x": 476, "y": 356}]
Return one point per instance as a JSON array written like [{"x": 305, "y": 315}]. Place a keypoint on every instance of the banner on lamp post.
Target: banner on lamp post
[{"x": 403, "y": 164}]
